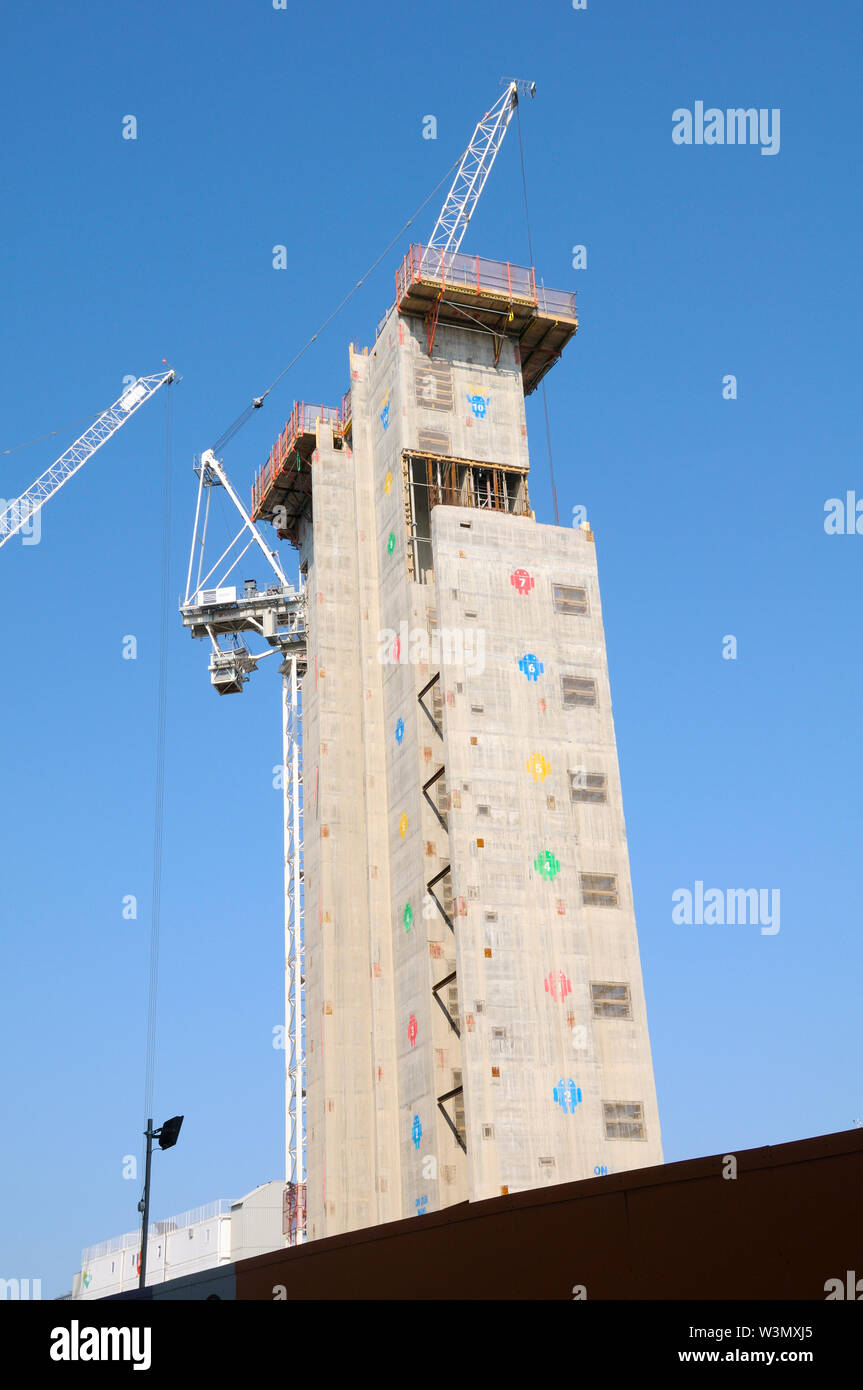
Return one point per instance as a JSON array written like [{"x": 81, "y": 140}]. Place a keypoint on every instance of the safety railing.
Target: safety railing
[
  {"x": 455, "y": 270},
  {"x": 555, "y": 304},
  {"x": 303, "y": 419},
  {"x": 132, "y": 1239}
]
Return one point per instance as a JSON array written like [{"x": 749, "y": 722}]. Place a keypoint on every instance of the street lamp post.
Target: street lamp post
[{"x": 167, "y": 1135}]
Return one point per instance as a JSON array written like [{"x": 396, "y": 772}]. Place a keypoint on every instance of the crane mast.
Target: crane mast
[
  {"x": 18, "y": 512},
  {"x": 229, "y": 616}
]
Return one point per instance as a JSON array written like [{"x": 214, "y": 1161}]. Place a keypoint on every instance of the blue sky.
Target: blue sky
[{"x": 304, "y": 128}]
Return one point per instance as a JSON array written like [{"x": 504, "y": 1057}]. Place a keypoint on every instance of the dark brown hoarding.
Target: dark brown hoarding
[{"x": 771, "y": 1223}]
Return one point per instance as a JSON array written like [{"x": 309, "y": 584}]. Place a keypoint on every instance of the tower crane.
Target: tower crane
[
  {"x": 16, "y": 513},
  {"x": 219, "y": 612}
]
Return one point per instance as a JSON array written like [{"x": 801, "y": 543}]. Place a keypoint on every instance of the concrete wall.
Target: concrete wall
[
  {"x": 380, "y": 1051},
  {"x": 339, "y": 1064},
  {"x": 528, "y": 946}
]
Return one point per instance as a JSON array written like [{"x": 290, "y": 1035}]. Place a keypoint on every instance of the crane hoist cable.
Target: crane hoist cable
[
  {"x": 533, "y": 262},
  {"x": 50, "y": 435},
  {"x": 159, "y": 806},
  {"x": 258, "y": 401}
]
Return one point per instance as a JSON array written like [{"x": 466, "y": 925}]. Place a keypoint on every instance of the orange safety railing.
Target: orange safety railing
[
  {"x": 303, "y": 419},
  {"x": 456, "y": 271}
]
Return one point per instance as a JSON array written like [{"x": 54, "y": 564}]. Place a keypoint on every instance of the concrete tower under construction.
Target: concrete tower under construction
[{"x": 475, "y": 1017}]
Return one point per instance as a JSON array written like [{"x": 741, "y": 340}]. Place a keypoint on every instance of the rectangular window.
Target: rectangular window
[
  {"x": 599, "y": 890},
  {"x": 458, "y": 1106},
  {"x": 434, "y": 477},
  {"x": 433, "y": 441},
  {"x": 611, "y": 1001},
  {"x": 515, "y": 493},
  {"x": 437, "y": 704},
  {"x": 569, "y": 600},
  {"x": 433, "y": 383},
  {"x": 578, "y": 690},
  {"x": 588, "y": 786},
  {"x": 452, "y": 1002},
  {"x": 623, "y": 1119}
]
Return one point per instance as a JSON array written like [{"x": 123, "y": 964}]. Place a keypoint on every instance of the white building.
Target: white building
[{"x": 219, "y": 1233}]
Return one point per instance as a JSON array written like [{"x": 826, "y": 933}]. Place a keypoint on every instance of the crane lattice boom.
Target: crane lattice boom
[
  {"x": 472, "y": 173},
  {"x": 18, "y": 512}
]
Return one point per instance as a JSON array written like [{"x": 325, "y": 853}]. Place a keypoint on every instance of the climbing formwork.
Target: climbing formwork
[
  {"x": 471, "y": 291},
  {"x": 282, "y": 490}
]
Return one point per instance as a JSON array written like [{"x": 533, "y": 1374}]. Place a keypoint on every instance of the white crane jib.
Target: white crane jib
[
  {"x": 471, "y": 175},
  {"x": 18, "y": 512},
  {"x": 211, "y": 471}
]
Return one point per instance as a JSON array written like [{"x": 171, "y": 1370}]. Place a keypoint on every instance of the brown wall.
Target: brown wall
[{"x": 791, "y": 1219}]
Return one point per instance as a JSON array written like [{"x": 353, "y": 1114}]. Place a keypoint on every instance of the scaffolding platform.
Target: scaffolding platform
[
  {"x": 282, "y": 490},
  {"x": 443, "y": 287}
]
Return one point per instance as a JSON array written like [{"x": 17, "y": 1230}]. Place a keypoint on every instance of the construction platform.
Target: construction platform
[
  {"x": 282, "y": 490},
  {"x": 440, "y": 288},
  {"x": 443, "y": 287}
]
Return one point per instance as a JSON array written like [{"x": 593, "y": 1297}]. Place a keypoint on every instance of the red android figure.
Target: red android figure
[
  {"x": 522, "y": 581},
  {"x": 555, "y": 982}
]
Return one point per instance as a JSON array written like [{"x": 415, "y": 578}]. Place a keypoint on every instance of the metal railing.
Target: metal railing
[
  {"x": 502, "y": 278},
  {"x": 302, "y": 420},
  {"x": 132, "y": 1239},
  {"x": 556, "y": 304}
]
